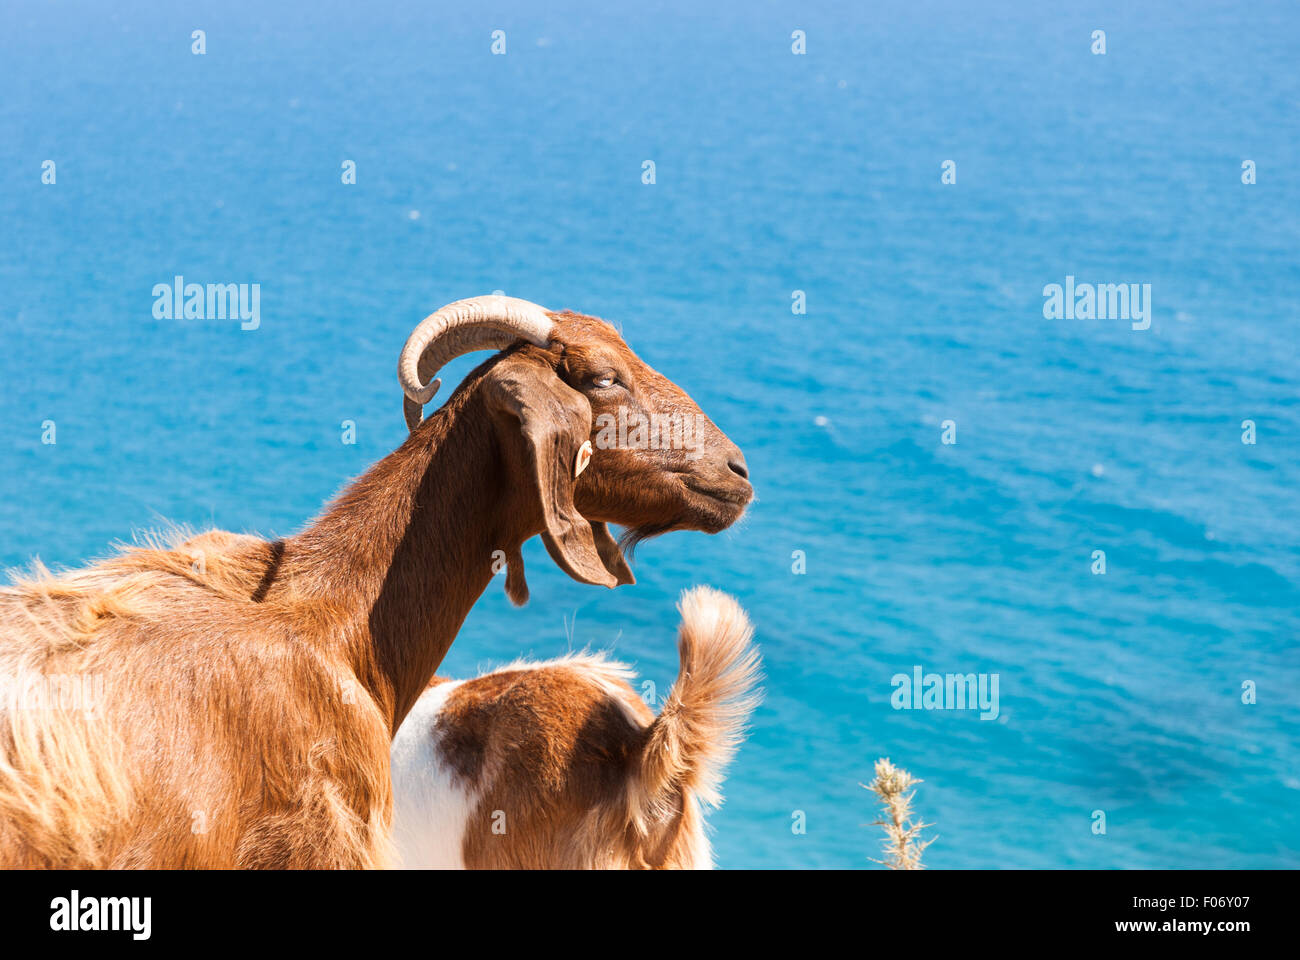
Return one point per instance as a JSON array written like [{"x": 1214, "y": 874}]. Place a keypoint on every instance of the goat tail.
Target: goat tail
[{"x": 703, "y": 718}]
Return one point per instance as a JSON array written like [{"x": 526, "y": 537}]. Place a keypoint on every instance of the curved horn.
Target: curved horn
[{"x": 479, "y": 323}]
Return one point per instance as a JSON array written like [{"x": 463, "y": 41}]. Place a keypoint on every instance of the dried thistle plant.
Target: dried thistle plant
[{"x": 903, "y": 845}]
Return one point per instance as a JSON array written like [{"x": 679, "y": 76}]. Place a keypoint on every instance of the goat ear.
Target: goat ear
[
  {"x": 554, "y": 420},
  {"x": 610, "y": 555}
]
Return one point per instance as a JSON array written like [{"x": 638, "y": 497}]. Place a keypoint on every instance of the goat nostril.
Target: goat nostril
[{"x": 737, "y": 465}]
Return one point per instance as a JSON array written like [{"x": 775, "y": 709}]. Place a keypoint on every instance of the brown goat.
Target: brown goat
[
  {"x": 251, "y": 688},
  {"x": 560, "y": 765}
]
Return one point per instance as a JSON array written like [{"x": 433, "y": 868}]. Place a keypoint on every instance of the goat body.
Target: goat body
[
  {"x": 560, "y": 764},
  {"x": 247, "y": 690}
]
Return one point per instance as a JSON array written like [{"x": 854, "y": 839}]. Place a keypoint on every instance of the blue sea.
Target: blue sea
[{"x": 775, "y": 173}]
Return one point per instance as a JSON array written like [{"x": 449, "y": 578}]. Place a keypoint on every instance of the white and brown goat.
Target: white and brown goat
[{"x": 560, "y": 765}]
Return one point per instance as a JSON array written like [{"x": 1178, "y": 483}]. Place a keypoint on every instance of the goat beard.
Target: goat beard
[{"x": 632, "y": 537}]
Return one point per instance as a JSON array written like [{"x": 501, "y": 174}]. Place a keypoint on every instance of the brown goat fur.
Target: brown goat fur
[
  {"x": 251, "y": 687},
  {"x": 560, "y": 765}
]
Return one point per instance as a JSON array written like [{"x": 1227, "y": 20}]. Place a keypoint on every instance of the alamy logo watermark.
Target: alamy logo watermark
[
  {"x": 53, "y": 691},
  {"x": 946, "y": 691},
  {"x": 75, "y": 912},
  {"x": 1100, "y": 301},
  {"x": 632, "y": 430},
  {"x": 179, "y": 300}
]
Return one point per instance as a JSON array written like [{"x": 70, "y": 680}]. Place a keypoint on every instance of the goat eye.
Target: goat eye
[{"x": 605, "y": 380}]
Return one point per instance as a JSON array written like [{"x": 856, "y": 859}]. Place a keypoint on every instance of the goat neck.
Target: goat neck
[{"x": 407, "y": 549}]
